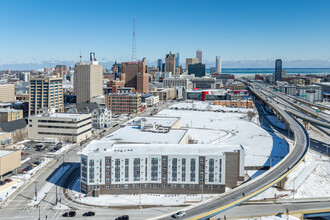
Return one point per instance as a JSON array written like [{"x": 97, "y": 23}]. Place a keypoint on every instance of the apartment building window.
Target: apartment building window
[
  {"x": 107, "y": 180},
  {"x": 211, "y": 170},
  {"x": 91, "y": 171},
  {"x": 220, "y": 169},
  {"x": 107, "y": 186},
  {"x": 108, "y": 174},
  {"x": 100, "y": 170},
  {"x": 183, "y": 177},
  {"x": 154, "y": 169},
  {"x": 146, "y": 169},
  {"x": 136, "y": 172},
  {"x": 117, "y": 170},
  {"x": 107, "y": 167},
  {"x": 174, "y": 169},
  {"x": 126, "y": 169},
  {"x": 192, "y": 170}
]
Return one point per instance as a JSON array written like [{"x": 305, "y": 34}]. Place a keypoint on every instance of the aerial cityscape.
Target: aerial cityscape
[{"x": 165, "y": 110}]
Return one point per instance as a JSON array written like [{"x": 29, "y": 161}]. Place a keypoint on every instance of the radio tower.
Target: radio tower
[{"x": 133, "y": 42}]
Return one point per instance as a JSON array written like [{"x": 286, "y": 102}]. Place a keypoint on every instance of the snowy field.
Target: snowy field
[
  {"x": 309, "y": 180},
  {"x": 258, "y": 143},
  {"x": 277, "y": 217}
]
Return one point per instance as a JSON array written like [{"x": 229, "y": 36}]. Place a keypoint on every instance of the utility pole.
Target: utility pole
[
  {"x": 56, "y": 195},
  {"x": 63, "y": 164},
  {"x": 36, "y": 189},
  {"x": 39, "y": 212}
]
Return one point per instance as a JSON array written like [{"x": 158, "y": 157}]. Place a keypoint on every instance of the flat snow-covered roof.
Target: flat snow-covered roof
[
  {"x": 5, "y": 152},
  {"x": 62, "y": 115},
  {"x": 98, "y": 147},
  {"x": 164, "y": 121},
  {"x": 132, "y": 134}
]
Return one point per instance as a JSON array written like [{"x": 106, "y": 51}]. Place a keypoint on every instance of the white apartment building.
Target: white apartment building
[
  {"x": 152, "y": 100},
  {"x": 109, "y": 168},
  {"x": 60, "y": 127},
  {"x": 101, "y": 115}
]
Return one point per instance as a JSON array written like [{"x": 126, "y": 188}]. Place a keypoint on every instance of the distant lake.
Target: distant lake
[{"x": 289, "y": 71}]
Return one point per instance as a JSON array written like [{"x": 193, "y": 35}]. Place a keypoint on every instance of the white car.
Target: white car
[{"x": 179, "y": 214}]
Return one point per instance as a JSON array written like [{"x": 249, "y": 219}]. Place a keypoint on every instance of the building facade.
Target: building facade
[
  {"x": 311, "y": 93},
  {"x": 199, "y": 55},
  {"x": 142, "y": 83},
  {"x": 46, "y": 92},
  {"x": 218, "y": 64},
  {"x": 7, "y": 93},
  {"x": 166, "y": 169},
  {"x": 101, "y": 115},
  {"x": 18, "y": 130},
  {"x": 9, "y": 161},
  {"x": 124, "y": 103},
  {"x": 7, "y": 115},
  {"x": 160, "y": 65},
  {"x": 198, "y": 69},
  {"x": 173, "y": 82},
  {"x": 278, "y": 70},
  {"x": 88, "y": 80},
  {"x": 64, "y": 127},
  {"x": 131, "y": 70},
  {"x": 170, "y": 63},
  {"x": 191, "y": 61}
]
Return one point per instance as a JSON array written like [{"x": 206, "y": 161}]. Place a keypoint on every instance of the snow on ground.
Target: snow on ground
[
  {"x": 289, "y": 217},
  {"x": 64, "y": 148},
  {"x": 30, "y": 173},
  {"x": 200, "y": 106},
  {"x": 257, "y": 142},
  {"x": 60, "y": 206},
  {"x": 10, "y": 188},
  {"x": 50, "y": 183},
  {"x": 143, "y": 199},
  {"x": 25, "y": 160},
  {"x": 310, "y": 179}
]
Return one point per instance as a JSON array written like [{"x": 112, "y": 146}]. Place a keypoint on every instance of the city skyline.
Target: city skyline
[{"x": 242, "y": 33}]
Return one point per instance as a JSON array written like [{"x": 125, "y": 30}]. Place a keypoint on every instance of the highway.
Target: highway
[
  {"x": 246, "y": 191},
  {"x": 300, "y": 105},
  {"x": 254, "y": 210},
  {"x": 287, "y": 106}
]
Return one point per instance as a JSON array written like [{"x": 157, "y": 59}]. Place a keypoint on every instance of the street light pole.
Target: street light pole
[{"x": 36, "y": 189}]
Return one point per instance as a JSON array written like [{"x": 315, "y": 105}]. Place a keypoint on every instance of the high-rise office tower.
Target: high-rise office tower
[
  {"x": 218, "y": 64},
  {"x": 46, "y": 92},
  {"x": 199, "y": 55},
  {"x": 278, "y": 70},
  {"x": 160, "y": 65},
  {"x": 131, "y": 70},
  {"x": 177, "y": 60},
  {"x": 198, "y": 69},
  {"x": 88, "y": 80},
  {"x": 170, "y": 63},
  {"x": 191, "y": 61},
  {"x": 142, "y": 83}
]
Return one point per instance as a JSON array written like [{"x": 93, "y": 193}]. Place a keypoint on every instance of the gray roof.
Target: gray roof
[
  {"x": 13, "y": 125},
  {"x": 89, "y": 107}
]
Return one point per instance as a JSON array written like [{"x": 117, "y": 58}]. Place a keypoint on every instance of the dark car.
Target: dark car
[
  {"x": 69, "y": 214},
  {"x": 89, "y": 214},
  {"x": 123, "y": 217},
  {"x": 2, "y": 183}
]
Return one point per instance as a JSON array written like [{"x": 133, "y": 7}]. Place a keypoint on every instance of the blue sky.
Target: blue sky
[{"x": 248, "y": 31}]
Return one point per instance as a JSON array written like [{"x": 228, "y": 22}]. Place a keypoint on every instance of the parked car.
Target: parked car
[
  {"x": 179, "y": 214},
  {"x": 8, "y": 180},
  {"x": 123, "y": 217},
  {"x": 54, "y": 149},
  {"x": 89, "y": 213},
  {"x": 2, "y": 183},
  {"x": 69, "y": 214}
]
